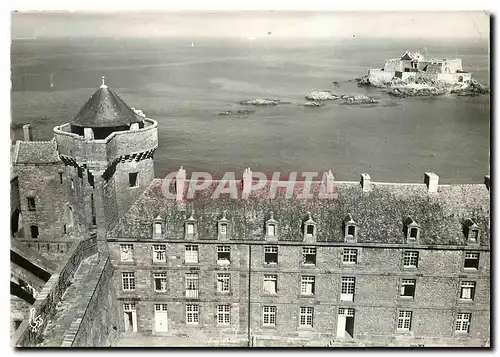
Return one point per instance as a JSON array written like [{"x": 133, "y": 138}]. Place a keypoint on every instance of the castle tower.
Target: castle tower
[{"x": 108, "y": 152}]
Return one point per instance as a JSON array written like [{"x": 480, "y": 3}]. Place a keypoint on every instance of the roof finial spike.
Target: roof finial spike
[{"x": 103, "y": 85}]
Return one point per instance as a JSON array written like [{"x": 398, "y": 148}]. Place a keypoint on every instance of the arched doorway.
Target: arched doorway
[{"x": 16, "y": 223}]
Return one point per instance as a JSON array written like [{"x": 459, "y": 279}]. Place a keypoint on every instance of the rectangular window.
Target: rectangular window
[
  {"x": 31, "y": 204},
  {"x": 467, "y": 290},
  {"x": 223, "y": 282},
  {"x": 410, "y": 259},
  {"x": 127, "y": 252},
  {"x": 160, "y": 307},
  {"x": 34, "y": 231},
  {"x": 462, "y": 323},
  {"x": 473, "y": 234},
  {"x": 60, "y": 177},
  {"x": 309, "y": 255},
  {"x": 160, "y": 281},
  {"x": 408, "y": 288},
  {"x": 129, "y": 307},
  {"x": 404, "y": 320},
  {"x": 158, "y": 229},
  {"x": 90, "y": 178},
  {"x": 270, "y": 284},
  {"x": 413, "y": 233},
  {"x": 159, "y": 253},
  {"x": 223, "y": 315},
  {"x": 192, "y": 285},
  {"x": 190, "y": 228},
  {"x": 310, "y": 230},
  {"x": 271, "y": 230},
  {"x": 269, "y": 316},
  {"x": 223, "y": 229},
  {"x": 350, "y": 256},
  {"x": 192, "y": 314},
  {"x": 132, "y": 179},
  {"x": 347, "y": 289},
  {"x": 306, "y": 316},
  {"x": 307, "y": 285},
  {"x": 471, "y": 261},
  {"x": 223, "y": 254},
  {"x": 191, "y": 254},
  {"x": 271, "y": 255},
  {"x": 351, "y": 230},
  {"x": 128, "y": 281}
]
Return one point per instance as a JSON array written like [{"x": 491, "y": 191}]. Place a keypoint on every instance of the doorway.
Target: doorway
[
  {"x": 345, "y": 323},
  {"x": 161, "y": 318},
  {"x": 130, "y": 317}
]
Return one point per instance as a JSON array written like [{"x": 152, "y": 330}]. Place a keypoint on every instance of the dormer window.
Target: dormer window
[
  {"x": 271, "y": 227},
  {"x": 471, "y": 231},
  {"x": 350, "y": 229},
  {"x": 190, "y": 226},
  {"x": 309, "y": 227},
  {"x": 412, "y": 230},
  {"x": 157, "y": 228},
  {"x": 222, "y": 226}
]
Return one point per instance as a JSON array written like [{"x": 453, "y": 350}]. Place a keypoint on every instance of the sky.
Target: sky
[{"x": 251, "y": 24}]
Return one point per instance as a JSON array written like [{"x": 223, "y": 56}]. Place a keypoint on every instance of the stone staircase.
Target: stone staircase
[{"x": 72, "y": 304}]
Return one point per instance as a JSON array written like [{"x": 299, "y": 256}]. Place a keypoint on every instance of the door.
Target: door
[
  {"x": 161, "y": 318},
  {"x": 130, "y": 317},
  {"x": 341, "y": 319}
]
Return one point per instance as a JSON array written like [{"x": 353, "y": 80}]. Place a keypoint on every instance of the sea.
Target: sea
[{"x": 185, "y": 83}]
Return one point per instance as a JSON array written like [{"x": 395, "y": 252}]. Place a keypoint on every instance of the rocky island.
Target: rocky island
[
  {"x": 263, "y": 102},
  {"x": 412, "y": 75},
  {"x": 318, "y": 96}
]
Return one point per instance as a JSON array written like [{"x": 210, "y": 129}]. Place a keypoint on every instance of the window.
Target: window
[
  {"x": 410, "y": 259},
  {"x": 306, "y": 316},
  {"x": 90, "y": 178},
  {"x": 271, "y": 230},
  {"x": 223, "y": 254},
  {"x": 467, "y": 290},
  {"x": 223, "y": 315},
  {"x": 65, "y": 229},
  {"x": 60, "y": 177},
  {"x": 158, "y": 230},
  {"x": 31, "y": 204},
  {"x": 160, "y": 307},
  {"x": 128, "y": 281},
  {"x": 72, "y": 184},
  {"x": 192, "y": 314},
  {"x": 471, "y": 261},
  {"x": 270, "y": 284},
  {"x": 347, "y": 289},
  {"x": 191, "y": 254},
  {"x": 307, "y": 285},
  {"x": 132, "y": 179},
  {"x": 309, "y": 255},
  {"x": 310, "y": 229},
  {"x": 473, "y": 235},
  {"x": 350, "y": 256},
  {"x": 159, "y": 253},
  {"x": 192, "y": 286},
  {"x": 223, "y": 230},
  {"x": 404, "y": 321},
  {"x": 34, "y": 231},
  {"x": 408, "y": 288},
  {"x": 350, "y": 228},
  {"x": 271, "y": 255},
  {"x": 462, "y": 323},
  {"x": 223, "y": 282},
  {"x": 413, "y": 233},
  {"x": 190, "y": 228},
  {"x": 160, "y": 281},
  {"x": 269, "y": 316},
  {"x": 129, "y": 307},
  {"x": 127, "y": 252}
]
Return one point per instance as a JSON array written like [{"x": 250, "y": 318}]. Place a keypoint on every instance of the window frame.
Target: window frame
[
  {"x": 224, "y": 250},
  {"x": 31, "y": 202},
  {"x": 405, "y": 317},
  {"x": 307, "y": 283},
  {"x": 271, "y": 249},
  {"x": 129, "y": 252},
  {"x": 273, "y": 278},
  {"x": 156, "y": 249},
  {"x": 410, "y": 256},
  {"x": 348, "y": 252},
  {"x": 162, "y": 276},
  {"x": 347, "y": 284},
  {"x": 224, "y": 281},
  {"x": 191, "y": 248},
  {"x": 192, "y": 314},
  {"x": 306, "y": 316},
  {"x": 467, "y": 285},
  {"x": 223, "y": 315},
  {"x": 467, "y": 256},
  {"x": 128, "y": 278},
  {"x": 269, "y": 315},
  {"x": 408, "y": 282},
  {"x": 462, "y": 319}
]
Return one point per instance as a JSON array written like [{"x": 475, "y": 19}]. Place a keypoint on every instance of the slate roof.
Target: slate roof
[
  {"x": 379, "y": 213},
  {"x": 105, "y": 109},
  {"x": 36, "y": 152}
]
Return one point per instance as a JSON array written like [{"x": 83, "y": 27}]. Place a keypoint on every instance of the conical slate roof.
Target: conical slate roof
[{"x": 105, "y": 109}]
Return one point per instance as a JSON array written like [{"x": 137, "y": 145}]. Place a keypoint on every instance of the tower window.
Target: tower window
[
  {"x": 34, "y": 231},
  {"x": 90, "y": 178},
  {"x": 132, "y": 179},
  {"x": 31, "y": 204},
  {"x": 60, "y": 177}
]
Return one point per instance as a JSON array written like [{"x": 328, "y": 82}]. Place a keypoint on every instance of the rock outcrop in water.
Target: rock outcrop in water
[
  {"x": 263, "y": 102},
  {"x": 357, "y": 99},
  {"x": 313, "y": 104},
  {"x": 240, "y": 112},
  {"x": 321, "y": 95}
]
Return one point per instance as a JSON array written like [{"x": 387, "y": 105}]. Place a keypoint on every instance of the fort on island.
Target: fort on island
[
  {"x": 100, "y": 256},
  {"x": 413, "y": 65}
]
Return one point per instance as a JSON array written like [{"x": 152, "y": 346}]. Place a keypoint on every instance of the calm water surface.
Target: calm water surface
[{"x": 184, "y": 88}]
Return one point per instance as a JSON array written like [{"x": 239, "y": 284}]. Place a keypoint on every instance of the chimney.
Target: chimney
[
  {"x": 487, "y": 181},
  {"x": 366, "y": 182},
  {"x": 28, "y": 135},
  {"x": 328, "y": 180},
  {"x": 247, "y": 181},
  {"x": 180, "y": 180},
  {"x": 431, "y": 180},
  {"x": 88, "y": 133}
]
